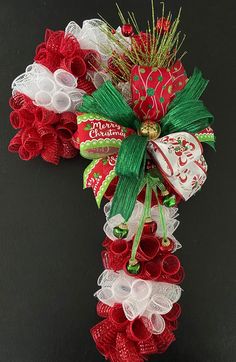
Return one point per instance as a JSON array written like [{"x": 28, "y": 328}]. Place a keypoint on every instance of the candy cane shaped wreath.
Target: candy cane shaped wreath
[{"x": 122, "y": 98}]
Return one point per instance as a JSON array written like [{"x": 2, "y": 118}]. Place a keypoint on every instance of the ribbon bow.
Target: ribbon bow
[{"x": 110, "y": 136}]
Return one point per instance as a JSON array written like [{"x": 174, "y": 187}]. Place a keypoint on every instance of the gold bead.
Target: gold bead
[
  {"x": 133, "y": 262},
  {"x": 150, "y": 129},
  {"x": 165, "y": 193},
  {"x": 165, "y": 242},
  {"x": 123, "y": 226}
]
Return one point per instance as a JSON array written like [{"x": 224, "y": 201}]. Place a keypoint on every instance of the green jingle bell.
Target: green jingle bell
[
  {"x": 133, "y": 267},
  {"x": 121, "y": 231},
  {"x": 169, "y": 201}
]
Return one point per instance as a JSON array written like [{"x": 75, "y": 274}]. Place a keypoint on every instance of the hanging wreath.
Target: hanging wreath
[{"x": 122, "y": 99}]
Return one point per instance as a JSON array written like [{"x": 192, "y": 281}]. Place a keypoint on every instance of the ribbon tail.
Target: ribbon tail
[
  {"x": 211, "y": 144},
  {"x": 125, "y": 196},
  {"x": 130, "y": 160},
  {"x": 207, "y": 136},
  {"x": 98, "y": 176},
  {"x": 130, "y": 169}
]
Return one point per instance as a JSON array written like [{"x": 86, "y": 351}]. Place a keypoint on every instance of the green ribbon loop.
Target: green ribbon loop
[
  {"x": 192, "y": 91},
  {"x": 188, "y": 116},
  {"x": 186, "y": 113},
  {"x": 108, "y": 102}
]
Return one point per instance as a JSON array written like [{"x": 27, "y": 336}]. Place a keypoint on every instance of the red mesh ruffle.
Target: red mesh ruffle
[
  {"x": 121, "y": 340},
  {"x": 60, "y": 50},
  {"x": 86, "y": 85},
  {"x": 156, "y": 264},
  {"x": 41, "y": 132},
  {"x": 164, "y": 340}
]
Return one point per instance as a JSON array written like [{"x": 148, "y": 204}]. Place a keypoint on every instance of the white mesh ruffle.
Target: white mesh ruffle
[
  {"x": 90, "y": 36},
  {"x": 125, "y": 90},
  {"x": 93, "y": 35},
  {"x": 53, "y": 91},
  {"x": 138, "y": 297},
  {"x": 118, "y": 219},
  {"x": 157, "y": 322},
  {"x": 98, "y": 78}
]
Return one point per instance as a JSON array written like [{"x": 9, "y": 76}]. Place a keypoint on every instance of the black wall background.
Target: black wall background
[{"x": 51, "y": 230}]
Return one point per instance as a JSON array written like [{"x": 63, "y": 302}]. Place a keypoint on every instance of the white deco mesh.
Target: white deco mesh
[{"x": 138, "y": 297}]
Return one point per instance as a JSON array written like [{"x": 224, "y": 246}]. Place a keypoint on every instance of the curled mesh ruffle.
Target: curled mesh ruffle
[{"x": 138, "y": 297}]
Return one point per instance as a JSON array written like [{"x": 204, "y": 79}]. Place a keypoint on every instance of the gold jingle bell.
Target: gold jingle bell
[{"x": 150, "y": 129}]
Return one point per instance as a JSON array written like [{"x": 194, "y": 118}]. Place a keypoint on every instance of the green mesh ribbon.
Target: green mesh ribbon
[
  {"x": 108, "y": 102},
  {"x": 130, "y": 167},
  {"x": 186, "y": 113},
  {"x": 188, "y": 116},
  {"x": 193, "y": 90}
]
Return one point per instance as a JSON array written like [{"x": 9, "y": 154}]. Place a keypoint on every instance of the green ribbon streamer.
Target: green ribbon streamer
[
  {"x": 146, "y": 213},
  {"x": 130, "y": 167},
  {"x": 131, "y": 156},
  {"x": 211, "y": 144},
  {"x": 163, "y": 222},
  {"x": 125, "y": 196}
]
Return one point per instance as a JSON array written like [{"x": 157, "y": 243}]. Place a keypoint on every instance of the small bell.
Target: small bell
[
  {"x": 133, "y": 267},
  {"x": 121, "y": 231},
  {"x": 150, "y": 227},
  {"x": 150, "y": 129},
  {"x": 169, "y": 201}
]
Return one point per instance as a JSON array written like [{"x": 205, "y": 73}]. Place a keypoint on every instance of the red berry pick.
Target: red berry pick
[{"x": 163, "y": 25}]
